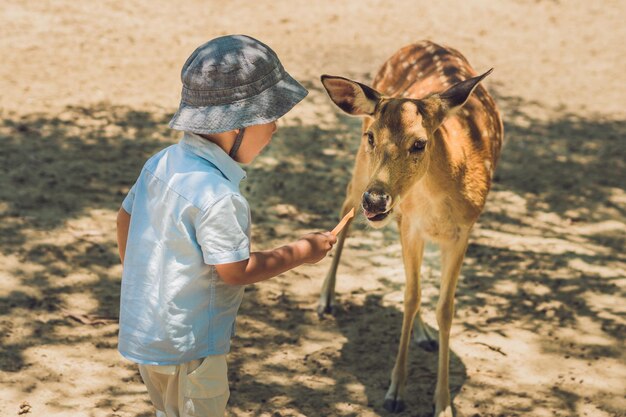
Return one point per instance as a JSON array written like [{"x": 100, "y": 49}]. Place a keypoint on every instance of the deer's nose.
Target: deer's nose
[{"x": 376, "y": 201}]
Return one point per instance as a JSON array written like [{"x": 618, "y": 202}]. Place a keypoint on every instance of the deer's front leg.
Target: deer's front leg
[
  {"x": 412, "y": 253},
  {"x": 327, "y": 295},
  {"x": 451, "y": 260}
]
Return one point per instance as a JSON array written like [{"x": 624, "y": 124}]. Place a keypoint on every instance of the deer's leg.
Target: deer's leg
[
  {"x": 412, "y": 253},
  {"x": 327, "y": 296},
  {"x": 451, "y": 259},
  {"x": 354, "y": 193},
  {"x": 423, "y": 335}
]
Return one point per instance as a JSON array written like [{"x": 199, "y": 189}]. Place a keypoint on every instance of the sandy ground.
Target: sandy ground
[{"x": 87, "y": 89}]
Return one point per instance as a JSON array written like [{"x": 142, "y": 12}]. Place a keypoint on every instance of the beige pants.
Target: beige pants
[{"x": 198, "y": 388}]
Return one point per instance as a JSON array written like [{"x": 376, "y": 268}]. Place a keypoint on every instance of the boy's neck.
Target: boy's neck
[{"x": 224, "y": 140}]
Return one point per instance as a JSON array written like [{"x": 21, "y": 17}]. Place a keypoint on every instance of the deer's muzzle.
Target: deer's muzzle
[{"x": 376, "y": 205}]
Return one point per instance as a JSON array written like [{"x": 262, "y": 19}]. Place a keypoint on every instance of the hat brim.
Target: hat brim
[{"x": 265, "y": 107}]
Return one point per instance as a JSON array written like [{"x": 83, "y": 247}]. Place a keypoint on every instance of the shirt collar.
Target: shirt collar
[{"x": 208, "y": 150}]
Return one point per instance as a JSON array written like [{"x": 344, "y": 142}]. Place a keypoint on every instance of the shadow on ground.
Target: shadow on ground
[
  {"x": 560, "y": 179},
  {"x": 558, "y": 210}
]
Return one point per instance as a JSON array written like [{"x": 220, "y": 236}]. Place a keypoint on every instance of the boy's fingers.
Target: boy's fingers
[{"x": 331, "y": 237}]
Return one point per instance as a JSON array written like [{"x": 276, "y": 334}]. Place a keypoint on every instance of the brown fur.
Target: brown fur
[{"x": 429, "y": 94}]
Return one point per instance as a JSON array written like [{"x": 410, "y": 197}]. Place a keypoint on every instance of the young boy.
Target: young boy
[{"x": 184, "y": 228}]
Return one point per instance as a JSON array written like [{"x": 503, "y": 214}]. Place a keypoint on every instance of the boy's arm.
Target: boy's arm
[
  {"x": 123, "y": 222},
  {"x": 267, "y": 264}
]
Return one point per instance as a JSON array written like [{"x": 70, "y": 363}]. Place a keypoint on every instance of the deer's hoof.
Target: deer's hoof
[
  {"x": 428, "y": 345},
  {"x": 394, "y": 405},
  {"x": 324, "y": 309}
]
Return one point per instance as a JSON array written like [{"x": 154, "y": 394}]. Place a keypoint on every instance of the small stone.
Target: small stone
[{"x": 24, "y": 408}]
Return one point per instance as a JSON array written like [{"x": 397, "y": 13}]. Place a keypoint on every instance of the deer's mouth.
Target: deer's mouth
[{"x": 376, "y": 217}]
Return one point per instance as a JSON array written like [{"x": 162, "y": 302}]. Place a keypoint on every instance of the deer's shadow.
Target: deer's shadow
[{"x": 373, "y": 332}]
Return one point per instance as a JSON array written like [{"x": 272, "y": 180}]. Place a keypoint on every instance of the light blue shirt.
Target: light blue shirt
[{"x": 187, "y": 215}]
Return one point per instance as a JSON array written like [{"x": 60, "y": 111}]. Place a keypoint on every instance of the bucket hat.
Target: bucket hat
[{"x": 233, "y": 82}]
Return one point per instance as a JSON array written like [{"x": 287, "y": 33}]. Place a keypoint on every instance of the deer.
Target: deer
[{"x": 431, "y": 139}]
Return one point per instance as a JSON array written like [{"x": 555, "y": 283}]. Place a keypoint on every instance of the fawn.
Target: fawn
[{"x": 431, "y": 140}]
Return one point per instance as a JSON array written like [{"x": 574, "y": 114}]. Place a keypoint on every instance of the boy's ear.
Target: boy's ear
[
  {"x": 439, "y": 106},
  {"x": 352, "y": 97}
]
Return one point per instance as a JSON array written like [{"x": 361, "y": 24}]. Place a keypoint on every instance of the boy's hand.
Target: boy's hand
[{"x": 313, "y": 247}]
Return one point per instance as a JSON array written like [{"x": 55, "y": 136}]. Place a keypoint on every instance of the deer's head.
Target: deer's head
[{"x": 398, "y": 138}]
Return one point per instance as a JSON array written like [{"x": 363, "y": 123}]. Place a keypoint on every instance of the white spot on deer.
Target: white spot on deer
[
  {"x": 430, "y": 48},
  {"x": 420, "y": 74},
  {"x": 488, "y": 165}
]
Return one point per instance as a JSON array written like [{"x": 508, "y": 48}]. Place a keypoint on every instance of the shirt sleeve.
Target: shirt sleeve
[
  {"x": 223, "y": 231},
  {"x": 127, "y": 204}
]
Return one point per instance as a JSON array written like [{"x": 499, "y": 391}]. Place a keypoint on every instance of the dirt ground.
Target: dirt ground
[{"x": 86, "y": 91}]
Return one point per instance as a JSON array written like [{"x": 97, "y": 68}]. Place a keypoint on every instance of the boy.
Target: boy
[{"x": 184, "y": 228}]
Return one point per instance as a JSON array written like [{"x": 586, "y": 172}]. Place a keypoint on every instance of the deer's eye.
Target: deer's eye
[
  {"x": 370, "y": 138},
  {"x": 418, "y": 146}
]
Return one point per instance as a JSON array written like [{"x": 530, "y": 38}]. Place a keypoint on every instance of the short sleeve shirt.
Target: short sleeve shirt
[{"x": 187, "y": 215}]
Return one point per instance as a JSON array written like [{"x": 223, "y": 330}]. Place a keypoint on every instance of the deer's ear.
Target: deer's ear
[
  {"x": 439, "y": 106},
  {"x": 350, "y": 96}
]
